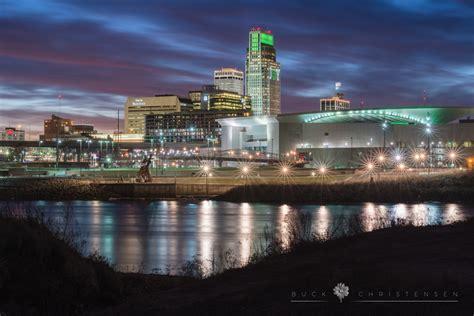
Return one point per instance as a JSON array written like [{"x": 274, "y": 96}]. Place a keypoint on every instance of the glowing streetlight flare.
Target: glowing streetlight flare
[{"x": 285, "y": 169}]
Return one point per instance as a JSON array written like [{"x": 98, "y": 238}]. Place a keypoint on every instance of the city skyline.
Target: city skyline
[{"x": 384, "y": 53}]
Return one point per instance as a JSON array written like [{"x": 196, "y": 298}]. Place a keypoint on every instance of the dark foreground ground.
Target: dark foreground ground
[{"x": 40, "y": 274}]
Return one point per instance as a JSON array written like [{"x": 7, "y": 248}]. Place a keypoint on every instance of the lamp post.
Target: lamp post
[
  {"x": 89, "y": 151},
  {"x": 381, "y": 160},
  {"x": 452, "y": 158},
  {"x": 58, "y": 141},
  {"x": 322, "y": 172},
  {"x": 162, "y": 151},
  {"x": 384, "y": 128},
  {"x": 79, "y": 159},
  {"x": 80, "y": 150},
  {"x": 428, "y": 133}
]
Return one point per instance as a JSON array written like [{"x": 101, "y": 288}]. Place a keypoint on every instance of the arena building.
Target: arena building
[{"x": 345, "y": 137}]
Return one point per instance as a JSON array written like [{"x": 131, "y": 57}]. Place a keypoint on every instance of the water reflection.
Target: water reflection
[
  {"x": 165, "y": 234},
  {"x": 321, "y": 222}
]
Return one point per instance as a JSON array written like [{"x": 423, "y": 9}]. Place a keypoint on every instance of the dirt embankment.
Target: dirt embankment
[{"x": 442, "y": 188}]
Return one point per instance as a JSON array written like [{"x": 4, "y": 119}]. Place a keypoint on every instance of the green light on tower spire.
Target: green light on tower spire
[{"x": 266, "y": 39}]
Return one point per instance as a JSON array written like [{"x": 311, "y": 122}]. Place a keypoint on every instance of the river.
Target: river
[{"x": 152, "y": 236}]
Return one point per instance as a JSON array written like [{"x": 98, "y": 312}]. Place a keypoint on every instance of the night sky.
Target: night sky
[{"x": 95, "y": 53}]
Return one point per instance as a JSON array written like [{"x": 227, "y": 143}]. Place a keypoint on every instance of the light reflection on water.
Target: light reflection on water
[{"x": 140, "y": 235}]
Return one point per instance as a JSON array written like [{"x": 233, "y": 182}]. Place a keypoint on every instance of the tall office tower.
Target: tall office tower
[
  {"x": 262, "y": 74},
  {"x": 229, "y": 79}
]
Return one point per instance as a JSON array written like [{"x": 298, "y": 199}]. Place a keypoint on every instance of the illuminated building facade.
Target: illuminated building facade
[
  {"x": 56, "y": 127},
  {"x": 83, "y": 129},
  {"x": 229, "y": 79},
  {"x": 12, "y": 134},
  {"x": 336, "y": 102},
  {"x": 187, "y": 126},
  {"x": 195, "y": 97},
  {"x": 262, "y": 74},
  {"x": 215, "y": 99},
  {"x": 345, "y": 137},
  {"x": 63, "y": 129},
  {"x": 137, "y": 107}
]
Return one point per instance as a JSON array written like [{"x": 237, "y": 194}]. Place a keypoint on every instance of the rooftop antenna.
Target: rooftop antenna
[
  {"x": 60, "y": 97},
  {"x": 118, "y": 129},
  {"x": 424, "y": 97},
  {"x": 337, "y": 87},
  {"x": 58, "y": 122}
]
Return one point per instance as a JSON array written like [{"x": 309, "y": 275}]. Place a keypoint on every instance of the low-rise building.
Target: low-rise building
[
  {"x": 56, "y": 127},
  {"x": 346, "y": 137},
  {"x": 336, "y": 102},
  {"x": 215, "y": 99},
  {"x": 63, "y": 128},
  {"x": 137, "y": 107},
  {"x": 12, "y": 134},
  {"x": 187, "y": 126}
]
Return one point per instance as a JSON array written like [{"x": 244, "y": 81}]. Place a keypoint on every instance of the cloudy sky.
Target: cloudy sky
[{"x": 95, "y": 53}]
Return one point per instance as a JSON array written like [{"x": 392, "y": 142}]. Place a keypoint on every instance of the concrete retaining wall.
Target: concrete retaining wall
[{"x": 164, "y": 190}]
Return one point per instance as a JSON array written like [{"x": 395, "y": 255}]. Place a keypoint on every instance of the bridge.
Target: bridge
[{"x": 168, "y": 152}]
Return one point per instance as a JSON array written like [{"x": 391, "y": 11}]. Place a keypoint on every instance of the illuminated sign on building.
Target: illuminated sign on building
[
  {"x": 138, "y": 102},
  {"x": 266, "y": 39}
]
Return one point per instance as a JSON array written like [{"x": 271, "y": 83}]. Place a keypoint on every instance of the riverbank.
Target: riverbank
[
  {"x": 403, "y": 189},
  {"x": 41, "y": 273},
  {"x": 446, "y": 187}
]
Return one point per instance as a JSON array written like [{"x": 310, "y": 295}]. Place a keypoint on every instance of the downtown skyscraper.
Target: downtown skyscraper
[
  {"x": 262, "y": 74},
  {"x": 229, "y": 79}
]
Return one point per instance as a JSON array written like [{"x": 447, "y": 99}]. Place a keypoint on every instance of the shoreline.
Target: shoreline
[{"x": 455, "y": 188}]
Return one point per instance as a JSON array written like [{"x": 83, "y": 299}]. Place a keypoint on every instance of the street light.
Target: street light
[
  {"x": 452, "y": 157},
  {"x": 80, "y": 150},
  {"x": 206, "y": 170},
  {"x": 428, "y": 132},
  {"x": 384, "y": 128}
]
